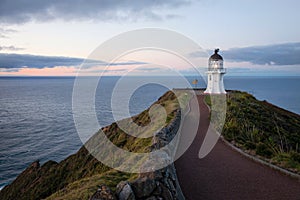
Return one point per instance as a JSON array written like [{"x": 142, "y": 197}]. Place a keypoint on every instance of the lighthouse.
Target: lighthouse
[{"x": 215, "y": 74}]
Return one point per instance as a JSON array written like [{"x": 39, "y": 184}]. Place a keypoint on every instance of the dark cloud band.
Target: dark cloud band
[
  {"x": 34, "y": 61},
  {"x": 20, "y": 11},
  {"x": 16, "y": 61},
  {"x": 277, "y": 54}
]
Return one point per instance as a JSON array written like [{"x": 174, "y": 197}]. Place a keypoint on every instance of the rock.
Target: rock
[
  {"x": 155, "y": 175},
  {"x": 143, "y": 187},
  {"x": 120, "y": 186},
  {"x": 156, "y": 184},
  {"x": 103, "y": 193},
  {"x": 172, "y": 187},
  {"x": 151, "y": 198},
  {"x": 157, "y": 190},
  {"x": 172, "y": 172},
  {"x": 124, "y": 191},
  {"x": 159, "y": 159},
  {"x": 166, "y": 194}
]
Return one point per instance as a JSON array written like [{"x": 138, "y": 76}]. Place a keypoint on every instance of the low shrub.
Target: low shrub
[
  {"x": 250, "y": 145},
  {"x": 263, "y": 150}
]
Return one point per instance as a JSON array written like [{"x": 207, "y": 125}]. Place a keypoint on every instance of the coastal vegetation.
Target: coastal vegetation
[
  {"x": 257, "y": 127},
  {"x": 263, "y": 130},
  {"x": 79, "y": 175}
]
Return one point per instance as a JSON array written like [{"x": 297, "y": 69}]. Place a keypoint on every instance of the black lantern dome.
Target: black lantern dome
[{"x": 216, "y": 56}]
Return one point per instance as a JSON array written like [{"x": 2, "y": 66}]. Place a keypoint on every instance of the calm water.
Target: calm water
[{"x": 36, "y": 119}]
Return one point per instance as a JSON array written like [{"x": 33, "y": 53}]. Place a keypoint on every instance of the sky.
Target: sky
[{"x": 53, "y": 38}]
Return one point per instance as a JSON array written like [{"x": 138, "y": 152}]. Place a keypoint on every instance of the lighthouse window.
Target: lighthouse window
[{"x": 210, "y": 77}]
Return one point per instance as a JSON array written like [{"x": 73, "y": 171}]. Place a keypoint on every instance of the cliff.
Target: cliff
[
  {"x": 258, "y": 127},
  {"x": 80, "y": 175}
]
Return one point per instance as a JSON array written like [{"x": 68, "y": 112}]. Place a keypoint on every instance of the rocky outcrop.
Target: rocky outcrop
[
  {"x": 124, "y": 191},
  {"x": 159, "y": 184},
  {"x": 103, "y": 193}
]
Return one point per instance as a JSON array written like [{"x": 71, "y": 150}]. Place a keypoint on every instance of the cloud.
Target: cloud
[
  {"x": 9, "y": 70},
  {"x": 35, "y": 61},
  {"x": 103, "y": 71},
  {"x": 10, "y": 48},
  {"x": 20, "y": 11},
  {"x": 148, "y": 69},
  {"x": 5, "y": 31},
  {"x": 9, "y": 62},
  {"x": 196, "y": 54},
  {"x": 276, "y": 54}
]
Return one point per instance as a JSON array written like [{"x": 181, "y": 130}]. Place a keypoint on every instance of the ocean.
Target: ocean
[{"x": 36, "y": 118}]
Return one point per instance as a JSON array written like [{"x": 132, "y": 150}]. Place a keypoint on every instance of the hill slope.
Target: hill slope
[
  {"x": 263, "y": 130},
  {"x": 79, "y": 175},
  {"x": 258, "y": 127}
]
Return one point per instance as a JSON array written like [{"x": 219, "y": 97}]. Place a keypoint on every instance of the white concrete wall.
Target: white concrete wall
[{"x": 215, "y": 83}]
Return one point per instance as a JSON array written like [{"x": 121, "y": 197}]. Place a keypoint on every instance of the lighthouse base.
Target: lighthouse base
[{"x": 215, "y": 83}]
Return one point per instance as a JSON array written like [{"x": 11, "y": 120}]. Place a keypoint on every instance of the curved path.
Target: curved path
[{"x": 226, "y": 174}]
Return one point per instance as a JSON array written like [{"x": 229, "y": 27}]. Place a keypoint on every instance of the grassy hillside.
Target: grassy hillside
[
  {"x": 79, "y": 175},
  {"x": 263, "y": 129},
  {"x": 257, "y": 127}
]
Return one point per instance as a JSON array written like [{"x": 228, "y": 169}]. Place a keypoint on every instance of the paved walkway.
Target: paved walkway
[{"x": 226, "y": 174}]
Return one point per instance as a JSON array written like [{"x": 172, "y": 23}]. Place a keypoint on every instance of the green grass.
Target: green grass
[
  {"x": 86, "y": 187},
  {"x": 263, "y": 129}
]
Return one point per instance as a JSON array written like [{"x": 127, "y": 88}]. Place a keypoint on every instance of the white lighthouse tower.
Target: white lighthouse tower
[{"x": 215, "y": 74}]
